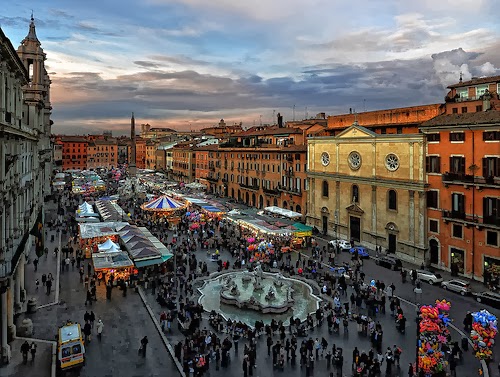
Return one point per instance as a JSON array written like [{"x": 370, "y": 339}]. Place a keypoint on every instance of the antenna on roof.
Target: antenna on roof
[{"x": 460, "y": 77}]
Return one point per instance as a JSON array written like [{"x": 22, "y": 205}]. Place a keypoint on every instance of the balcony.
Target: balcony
[
  {"x": 460, "y": 217},
  {"x": 271, "y": 191},
  {"x": 224, "y": 180},
  {"x": 211, "y": 168},
  {"x": 249, "y": 187},
  {"x": 290, "y": 190},
  {"x": 492, "y": 220},
  {"x": 212, "y": 179},
  {"x": 289, "y": 173},
  {"x": 454, "y": 215},
  {"x": 457, "y": 178}
]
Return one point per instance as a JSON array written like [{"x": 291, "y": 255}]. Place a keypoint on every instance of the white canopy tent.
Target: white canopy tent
[
  {"x": 283, "y": 212},
  {"x": 108, "y": 246}
]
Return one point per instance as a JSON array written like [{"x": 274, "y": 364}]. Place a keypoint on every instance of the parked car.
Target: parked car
[
  {"x": 429, "y": 277},
  {"x": 343, "y": 244},
  {"x": 458, "y": 286},
  {"x": 362, "y": 252},
  {"x": 488, "y": 298},
  {"x": 389, "y": 262}
]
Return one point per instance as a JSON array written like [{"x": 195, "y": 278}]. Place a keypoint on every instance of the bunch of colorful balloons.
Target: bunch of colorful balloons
[
  {"x": 484, "y": 330},
  {"x": 433, "y": 333}
]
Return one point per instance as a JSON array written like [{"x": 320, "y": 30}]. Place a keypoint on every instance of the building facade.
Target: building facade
[
  {"x": 463, "y": 197},
  {"x": 369, "y": 188},
  {"x": 74, "y": 149},
  {"x": 102, "y": 153},
  {"x": 184, "y": 162},
  {"x": 26, "y": 155}
]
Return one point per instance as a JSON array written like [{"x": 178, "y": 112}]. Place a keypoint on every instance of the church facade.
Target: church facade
[{"x": 369, "y": 188}]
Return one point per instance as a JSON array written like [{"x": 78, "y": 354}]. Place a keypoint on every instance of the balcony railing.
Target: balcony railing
[
  {"x": 492, "y": 220},
  {"x": 458, "y": 177},
  {"x": 462, "y": 216},
  {"x": 271, "y": 191},
  {"x": 250, "y": 187},
  {"x": 290, "y": 190},
  {"x": 211, "y": 168},
  {"x": 289, "y": 173}
]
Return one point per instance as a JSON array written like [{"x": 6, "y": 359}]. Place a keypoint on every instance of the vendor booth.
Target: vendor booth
[
  {"x": 273, "y": 210},
  {"x": 92, "y": 234},
  {"x": 112, "y": 263}
]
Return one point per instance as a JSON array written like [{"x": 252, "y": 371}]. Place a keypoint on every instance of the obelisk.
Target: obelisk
[{"x": 133, "y": 153}]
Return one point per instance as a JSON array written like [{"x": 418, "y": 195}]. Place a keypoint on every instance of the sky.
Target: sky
[{"x": 186, "y": 64}]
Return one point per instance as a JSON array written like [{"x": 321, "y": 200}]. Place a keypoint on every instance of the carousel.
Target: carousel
[{"x": 166, "y": 207}]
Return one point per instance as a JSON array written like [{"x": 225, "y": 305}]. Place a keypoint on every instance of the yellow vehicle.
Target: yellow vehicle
[{"x": 70, "y": 347}]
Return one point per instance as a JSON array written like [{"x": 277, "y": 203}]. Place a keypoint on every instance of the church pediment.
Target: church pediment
[
  {"x": 354, "y": 208},
  {"x": 356, "y": 131}
]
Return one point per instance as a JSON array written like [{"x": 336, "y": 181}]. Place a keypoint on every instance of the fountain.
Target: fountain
[{"x": 250, "y": 296}]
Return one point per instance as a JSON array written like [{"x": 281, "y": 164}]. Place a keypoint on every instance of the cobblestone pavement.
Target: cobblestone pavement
[{"x": 40, "y": 367}]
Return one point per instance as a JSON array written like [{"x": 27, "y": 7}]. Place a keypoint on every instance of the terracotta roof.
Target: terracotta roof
[
  {"x": 476, "y": 81},
  {"x": 274, "y": 130},
  {"x": 483, "y": 117},
  {"x": 74, "y": 139}
]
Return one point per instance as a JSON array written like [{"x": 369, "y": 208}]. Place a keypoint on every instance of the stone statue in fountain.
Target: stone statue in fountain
[
  {"x": 257, "y": 273},
  {"x": 270, "y": 294},
  {"x": 233, "y": 289}
]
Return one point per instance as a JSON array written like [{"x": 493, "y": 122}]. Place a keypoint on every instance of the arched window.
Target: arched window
[
  {"x": 325, "y": 189},
  {"x": 392, "y": 200},
  {"x": 355, "y": 193}
]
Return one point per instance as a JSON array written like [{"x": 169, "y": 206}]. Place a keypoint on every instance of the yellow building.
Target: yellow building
[{"x": 369, "y": 188}]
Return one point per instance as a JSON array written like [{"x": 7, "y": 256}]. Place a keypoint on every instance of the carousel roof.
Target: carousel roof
[{"x": 163, "y": 203}]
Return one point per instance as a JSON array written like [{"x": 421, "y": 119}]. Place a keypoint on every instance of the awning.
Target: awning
[
  {"x": 302, "y": 230},
  {"x": 283, "y": 212},
  {"x": 148, "y": 262},
  {"x": 212, "y": 209}
]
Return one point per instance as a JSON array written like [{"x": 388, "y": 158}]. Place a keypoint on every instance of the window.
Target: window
[
  {"x": 383, "y": 131},
  {"x": 434, "y": 226},
  {"x": 454, "y": 110},
  {"x": 464, "y": 109},
  {"x": 458, "y": 203},
  {"x": 433, "y": 137},
  {"x": 457, "y": 165},
  {"x": 399, "y": 130},
  {"x": 479, "y": 108},
  {"x": 433, "y": 164},
  {"x": 355, "y": 193},
  {"x": 325, "y": 189},
  {"x": 491, "y": 238},
  {"x": 480, "y": 90},
  {"x": 491, "y": 135},
  {"x": 491, "y": 167},
  {"x": 433, "y": 199},
  {"x": 457, "y": 136},
  {"x": 457, "y": 231},
  {"x": 491, "y": 210},
  {"x": 392, "y": 201}
]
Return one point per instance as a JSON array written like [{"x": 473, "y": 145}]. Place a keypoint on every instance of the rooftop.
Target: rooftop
[
  {"x": 483, "y": 117},
  {"x": 476, "y": 81}
]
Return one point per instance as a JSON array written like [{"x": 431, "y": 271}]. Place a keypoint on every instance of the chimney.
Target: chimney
[
  {"x": 350, "y": 110},
  {"x": 486, "y": 100},
  {"x": 280, "y": 121}
]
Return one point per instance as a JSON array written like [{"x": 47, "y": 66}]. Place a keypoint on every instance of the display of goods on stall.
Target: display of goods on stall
[
  {"x": 434, "y": 332},
  {"x": 483, "y": 333},
  {"x": 261, "y": 250}
]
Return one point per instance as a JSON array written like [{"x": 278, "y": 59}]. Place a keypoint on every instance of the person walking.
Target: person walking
[
  {"x": 99, "y": 327},
  {"x": 87, "y": 331},
  {"x": 33, "y": 351},
  {"x": 245, "y": 366},
  {"x": 35, "y": 264},
  {"x": 48, "y": 284},
  {"x": 25, "y": 348},
  {"x": 144, "y": 345}
]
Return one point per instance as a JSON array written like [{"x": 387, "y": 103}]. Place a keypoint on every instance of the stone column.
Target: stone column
[
  {"x": 11, "y": 328},
  {"x": 411, "y": 216},
  {"x": 5, "y": 347},
  {"x": 374, "y": 212},
  {"x": 412, "y": 167},
  {"x": 421, "y": 220}
]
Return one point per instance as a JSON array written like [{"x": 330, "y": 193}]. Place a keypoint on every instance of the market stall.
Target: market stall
[
  {"x": 112, "y": 263},
  {"x": 273, "y": 210},
  {"x": 90, "y": 235}
]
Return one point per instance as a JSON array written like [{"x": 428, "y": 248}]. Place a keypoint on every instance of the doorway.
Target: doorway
[
  {"x": 392, "y": 243},
  {"x": 355, "y": 227},
  {"x": 325, "y": 225},
  {"x": 434, "y": 250}
]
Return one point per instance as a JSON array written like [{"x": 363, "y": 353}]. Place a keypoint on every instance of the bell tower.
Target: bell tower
[
  {"x": 37, "y": 107},
  {"x": 37, "y": 93}
]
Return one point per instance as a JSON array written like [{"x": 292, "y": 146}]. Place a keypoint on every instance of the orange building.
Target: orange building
[
  {"x": 74, "y": 155},
  {"x": 202, "y": 163},
  {"x": 389, "y": 121},
  {"x": 102, "y": 153},
  {"x": 475, "y": 95},
  {"x": 184, "y": 162},
  {"x": 463, "y": 198},
  {"x": 150, "y": 162},
  {"x": 263, "y": 166}
]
